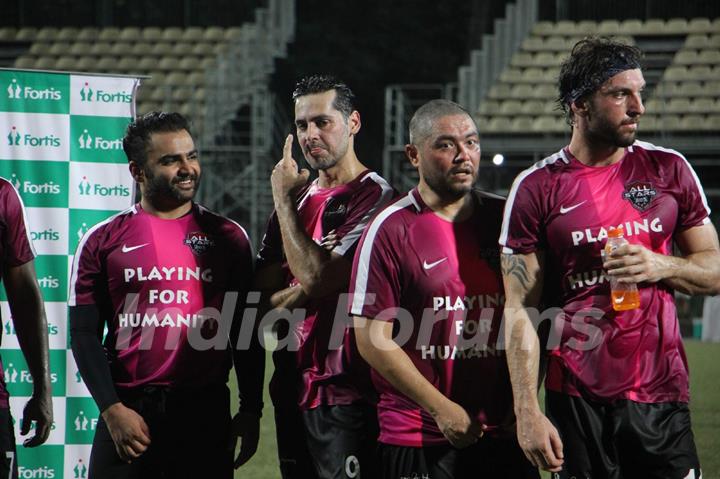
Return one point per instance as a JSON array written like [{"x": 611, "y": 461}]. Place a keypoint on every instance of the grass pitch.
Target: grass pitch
[{"x": 704, "y": 359}]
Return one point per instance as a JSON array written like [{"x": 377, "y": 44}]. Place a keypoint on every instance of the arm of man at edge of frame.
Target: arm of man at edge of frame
[{"x": 538, "y": 438}]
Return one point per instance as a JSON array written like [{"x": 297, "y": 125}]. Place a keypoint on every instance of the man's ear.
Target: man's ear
[
  {"x": 354, "y": 122},
  {"x": 580, "y": 106},
  {"x": 136, "y": 171},
  {"x": 412, "y": 154}
]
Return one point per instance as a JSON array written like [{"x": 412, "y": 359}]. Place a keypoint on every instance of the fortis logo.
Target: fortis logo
[
  {"x": 87, "y": 94},
  {"x": 15, "y": 138},
  {"x": 30, "y": 188},
  {"x": 85, "y": 187},
  {"x": 87, "y": 142},
  {"x": 43, "y": 472},
  {"x": 17, "y": 92}
]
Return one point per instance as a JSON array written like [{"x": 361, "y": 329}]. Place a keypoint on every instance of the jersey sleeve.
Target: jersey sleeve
[
  {"x": 693, "y": 209},
  {"x": 375, "y": 281},
  {"x": 522, "y": 226},
  {"x": 271, "y": 249},
  {"x": 86, "y": 277},
  {"x": 370, "y": 198},
  {"x": 17, "y": 246}
]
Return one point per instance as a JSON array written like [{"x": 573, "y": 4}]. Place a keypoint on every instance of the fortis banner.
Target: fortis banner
[{"x": 61, "y": 147}]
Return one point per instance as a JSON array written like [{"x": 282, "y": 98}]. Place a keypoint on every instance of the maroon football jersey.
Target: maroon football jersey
[
  {"x": 15, "y": 246},
  {"x": 565, "y": 208},
  {"x": 328, "y": 376},
  {"x": 152, "y": 280},
  {"x": 445, "y": 278}
]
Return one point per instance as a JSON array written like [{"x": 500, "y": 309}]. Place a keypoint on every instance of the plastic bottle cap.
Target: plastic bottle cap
[{"x": 616, "y": 232}]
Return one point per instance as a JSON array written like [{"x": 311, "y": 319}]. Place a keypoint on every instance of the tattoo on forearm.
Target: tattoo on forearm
[{"x": 513, "y": 265}]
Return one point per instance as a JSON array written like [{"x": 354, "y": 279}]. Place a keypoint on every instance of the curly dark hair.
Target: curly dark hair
[
  {"x": 137, "y": 135},
  {"x": 591, "y": 63},
  {"x": 320, "y": 84}
]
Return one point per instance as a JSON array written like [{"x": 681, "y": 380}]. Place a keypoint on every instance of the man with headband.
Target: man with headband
[{"x": 617, "y": 381}]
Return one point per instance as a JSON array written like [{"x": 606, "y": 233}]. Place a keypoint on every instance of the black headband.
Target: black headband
[{"x": 619, "y": 65}]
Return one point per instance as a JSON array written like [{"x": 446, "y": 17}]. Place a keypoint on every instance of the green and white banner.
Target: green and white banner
[{"x": 61, "y": 147}]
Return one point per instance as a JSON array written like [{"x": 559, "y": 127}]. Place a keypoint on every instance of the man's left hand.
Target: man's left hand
[
  {"x": 285, "y": 179},
  {"x": 38, "y": 409},
  {"x": 246, "y": 426},
  {"x": 633, "y": 263}
]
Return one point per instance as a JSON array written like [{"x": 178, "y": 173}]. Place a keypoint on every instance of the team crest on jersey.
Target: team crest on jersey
[
  {"x": 333, "y": 215},
  {"x": 198, "y": 242},
  {"x": 640, "y": 194}
]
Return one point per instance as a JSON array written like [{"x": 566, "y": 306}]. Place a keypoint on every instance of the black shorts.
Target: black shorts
[
  {"x": 8, "y": 456},
  {"x": 623, "y": 439},
  {"x": 489, "y": 458},
  {"x": 292, "y": 445},
  {"x": 342, "y": 440},
  {"x": 189, "y": 434}
]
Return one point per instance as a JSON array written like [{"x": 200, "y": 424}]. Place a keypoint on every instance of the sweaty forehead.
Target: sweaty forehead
[
  {"x": 315, "y": 104},
  {"x": 457, "y": 126}
]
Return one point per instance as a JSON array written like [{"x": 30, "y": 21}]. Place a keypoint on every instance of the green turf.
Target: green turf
[{"x": 704, "y": 359}]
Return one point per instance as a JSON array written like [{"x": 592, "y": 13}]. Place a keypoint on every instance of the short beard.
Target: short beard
[{"x": 163, "y": 191}]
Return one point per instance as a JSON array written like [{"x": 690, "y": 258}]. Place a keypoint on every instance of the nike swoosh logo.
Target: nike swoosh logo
[
  {"x": 564, "y": 210},
  {"x": 127, "y": 249},
  {"x": 427, "y": 265}
]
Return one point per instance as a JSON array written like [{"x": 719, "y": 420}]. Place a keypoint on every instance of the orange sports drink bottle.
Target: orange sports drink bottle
[{"x": 624, "y": 296}]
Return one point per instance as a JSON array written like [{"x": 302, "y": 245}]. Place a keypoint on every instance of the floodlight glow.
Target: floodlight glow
[{"x": 498, "y": 159}]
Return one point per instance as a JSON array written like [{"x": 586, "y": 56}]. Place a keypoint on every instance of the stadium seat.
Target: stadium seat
[
  {"x": 107, "y": 64},
  {"x": 699, "y": 25},
  {"x": 668, "y": 122},
  {"x": 692, "y": 123},
  {"x": 712, "y": 88},
  {"x": 632, "y": 27},
  {"x": 7, "y": 34},
  {"x": 511, "y": 75},
  {"x": 702, "y": 105},
  {"x": 39, "y": 48},
  {"x": 162, "y": 49},
  {"x": 713, "y": 122},
  {"x": 172, "y": 34},
  {"x": 545, "y": 59},
  {"x": 130, "y": 34},
  {"x": 522, "y": 91},
  {"x": 46, "y": 34},
  {"x": 566, "y": 27},
  {"x": 609, "y": 27},
  {"x": 522, "y": 59},
  {"x": 544, "y": 124},
  {"x": 202, "y": 49},
  {"x": 86, "y": 64},
  {"x": 167, "y": 64},
  {"x": 121, "y": 49},
  {"x": 697, "y": 42},
  {"x": 193, "y": 34},
  {"x": 152, "y": 34},
  {"x": 100, "y": 49},
  {"x": 678, "y": 105},
  {"x": 58, "y": 49},
  {"x": 109, "y": 34},
  {"x": 532, "y": 108},
  {"x": 709, "y": 57},
  {"x": 44, "y": 63},
  {"x": 648, "y": 123},
  {"x": 128, "y": 65},
  {"x": 714, "y": 41},
  {"x": 533, "y": 44},
  {"x": 88, "y": 34},
  {"x": 182, "y": 49},
  {"x": 544, "y": 28},
  {"x": 676, "y": 73},
  {"x": 549, "y": 107},
  {"x": 703, "y": 72},
  {"x": 141, "y": 49},
  {"x": 489, "y": 107},
  {"x": 692, "y": 89},
  {"x": 533, "y": 75},
  {"x": 26, "y": 34},
  {"x": 521, "y": 124},
  {"x": 586, "y": 27},
  {"x": 655, "y": 107},
  {"x": 208, "y": 63},
  {"x": 498, "y": 124},
  {"x": 686, "y": 57},
  {"x": 67, "y": 34},
  {"x": 67, "y": 63},
  {"x": 232, "y": 33},
  {"x": 654, "y": 27},
  {"x": 79, "y": 49},
  {"x": 24, "y": 62},
  {"x": 511, "y": 107},
  {"x": 213, "y": 34},
  {"x": 676, "y": 26},
  {"x": 146, "y": 64}
]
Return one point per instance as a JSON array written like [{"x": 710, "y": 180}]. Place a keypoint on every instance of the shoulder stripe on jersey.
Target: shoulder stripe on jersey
[
  {"x": 72, "y": 299},
  {"x": 361, "y": 276},
  {"x": 354, "y": 235},
  {"x": 552, "y": 159},
  {"x": 24, "y": 216},
  {"x": 650, "y": 146}
]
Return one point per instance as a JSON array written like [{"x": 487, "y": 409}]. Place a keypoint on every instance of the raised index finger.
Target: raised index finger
[{"x": 287, "y": 149}]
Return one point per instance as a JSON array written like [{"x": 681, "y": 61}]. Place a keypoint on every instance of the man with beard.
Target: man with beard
[
  {"x": 617, "y": 381},
  {"x": 427, "y": 296},
  {"x": 165, "y": 276},
  {"x": 320, "y": 390}
]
